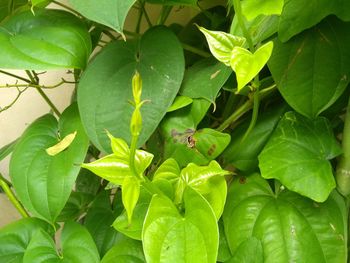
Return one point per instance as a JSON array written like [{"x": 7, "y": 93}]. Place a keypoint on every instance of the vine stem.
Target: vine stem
[
  {"x": 195, "y": 50},
  {"x": 34, "y": 80},
  {"x": 12, "y": 197},
  {"x": 238, "y": 11},
  {"x": 15, "y": 76},
  {"x": 343, "y": 167}
]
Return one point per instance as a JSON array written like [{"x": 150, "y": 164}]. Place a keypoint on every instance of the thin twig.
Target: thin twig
[{"x": 14, "y": 101}]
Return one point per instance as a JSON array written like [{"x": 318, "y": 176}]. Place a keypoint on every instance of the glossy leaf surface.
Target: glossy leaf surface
[
  {"x": 42, "y": 182},
  {"x": 247, "y": 65},
  {"x": 51, "y": 39},
  {"x": 312, "y": 69},
  {"x": 169, "y": 236},
  {"x": 298, "y": 154},
  {"x": 77, "y": 246},
  {"x": 15, "y": 237},
  {"x": 298, "y": 15},
  {"x": 291, "y": 228},
  {"x": 112, "y": 71},
  {"x": 111, "y": 13}
]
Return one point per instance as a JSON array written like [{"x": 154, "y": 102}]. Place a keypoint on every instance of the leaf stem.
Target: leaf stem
[
  {"x": 247, "y": 106},
  {"x": 343, "y": 167},
  {"x": 142, "y": 5},
  {"x": 34, "y": 80},
  {"x": 195, "y": 50},
  {"x": 166, "y": 10},
  {"x": 15, "y": 76},
  {"x": 5, "y": 186},
  {"x": 238, "y": 12}
]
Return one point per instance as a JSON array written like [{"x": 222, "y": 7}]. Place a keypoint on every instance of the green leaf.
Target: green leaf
[
  {"x": 51, "y": 39},
  {"x": 224, "y": 252},
  {"x": 298, "y": 154},
  {"x": 126, "y": 250},
  {"x": 36, "y": 175},
  {"x": 260, "y": 28},
  {"x": 291, "y": 228},
  {"x": 98, "y": 221},
  {"x": 247, "y": 65},
  {"x": 221, "y": 44},
  {"x": 111, "y": 13},
  {"x": 312, "y": 69},
  {"x": 174, "y": 2},
  {"x": 76, "y": 242},
  {"x": 169, "y": 170},
  {"x": 169, "y": 236},
  {"x": 6, "y": 10},
  {"x": 115, "y": 167},
  {"x": 205, "y": 79},
  {"x": 299, "y": 15},
  {"x": 7, "y": 149},
  {"x": 87, "y": 182},
  {"x": 15, "y": 237},
  {"x": 130, "y": 195},
  {"x": 180, "y": 102},
  {"x": 133, "y": 229},
  {"x": 243, "y": 154},
  {"x": 76, "y": 205},
  {"x": 249, "y": 251},
  {"x": 112, "y": 71},
  {"x": 253, "y": 8}
]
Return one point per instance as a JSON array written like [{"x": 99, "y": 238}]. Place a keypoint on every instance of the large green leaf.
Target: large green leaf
[
  {"x": 313, "y": 69},
  {"x": 205, "y": 79},
  {"x": 15, "y": 237},
  {"x": 249, "y": 251},
  {"x": 49, "y": 40},
  {"x": 291, "y": 228},
  {"x": 125, "y": 250},
  {"x": 76, "y": 246},
  {"x": 42, "y": 182},
  {"x": 243, "y": 154},
  {"x": 160, "y": 62},
  {"x": 298, "y": 15},
  {"x": 169, "y": 236},
  {"x": 111, "y": 13},
  {"x": 298, "y": 154},
  {"x": 98, "y": 221}
]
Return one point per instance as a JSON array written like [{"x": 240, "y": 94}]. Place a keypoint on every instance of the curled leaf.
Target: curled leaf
[{"x": 62, "y": 145}]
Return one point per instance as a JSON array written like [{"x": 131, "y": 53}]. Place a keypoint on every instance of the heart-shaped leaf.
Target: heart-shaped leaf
[
  {"x": 130, "y": 195},
  {"x": 253, "y": 8},
  {"x": 247, "y": 65},
  {"x": 180, "y": 102},
  {"x": 169, "y": 236},
  {"x": 111, "y": 13},
  {"x": 313, "y": 69},
  {"x": 249, "y": 251},
  {"x": 42, "y": 182},
  {"x": 160, "y": 62},
  {"x": 298, "y": 154},
  {"x": 76, "y": 242},
  {"x": 221, "y": 44},
  {"x": 125, "y": 250},
  {"x": 299, "y": 15},
  {"x": 291, "y": 228},
  {"x": 51, "y": 39},
  {"x": 15, "y": 237}
]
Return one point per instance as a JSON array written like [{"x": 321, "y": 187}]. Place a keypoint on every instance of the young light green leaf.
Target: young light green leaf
[
  {"x": 111, "y": 13},
  {"x": 61, "y": 145},
  {"x": 180, "y": 102},
  {"x": 130, "y": 195},
  {"x": 253, "y": 8},
  {"x": 168, "y": 170},
  {"x": 119, "y": 146},
  {"x": 247, "y": 65},
  {"x": 169, "y": 236},
  {"x": 298, "y": 153},
  {"x": 77, "y": 246},
  {"x": 51, "y": 39},
  {"x": 221, "y": 44}
]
